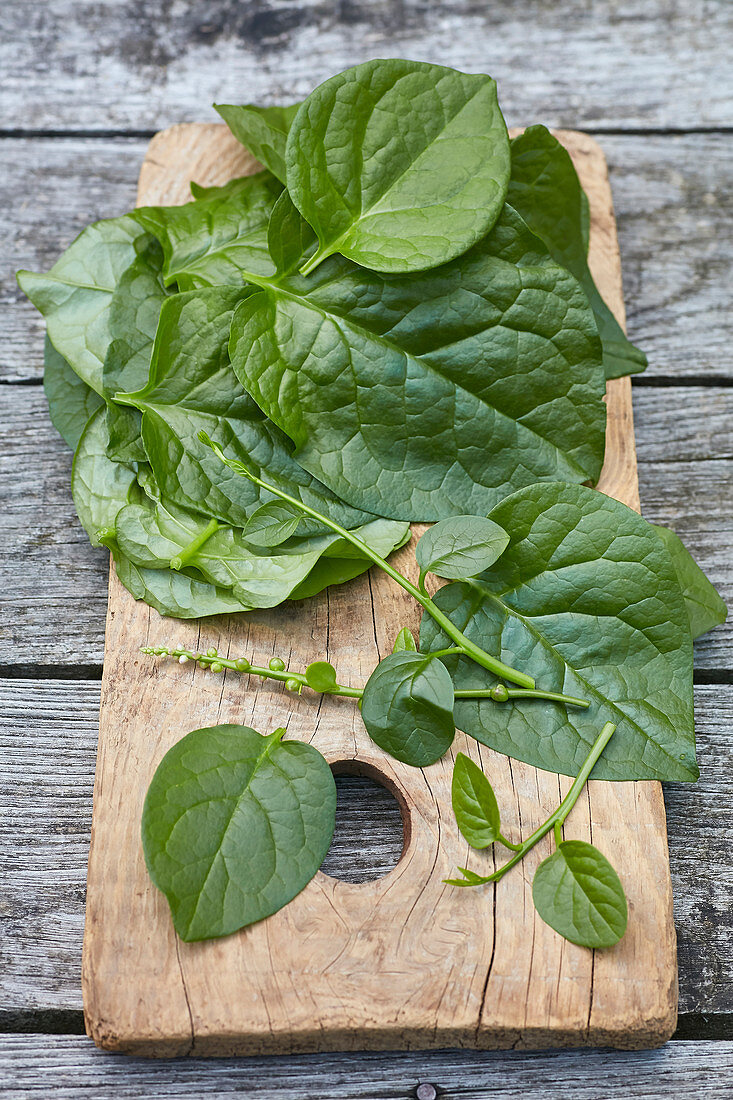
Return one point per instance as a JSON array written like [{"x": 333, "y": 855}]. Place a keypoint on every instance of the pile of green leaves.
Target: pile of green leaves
[{"x": 393, "y": 321}]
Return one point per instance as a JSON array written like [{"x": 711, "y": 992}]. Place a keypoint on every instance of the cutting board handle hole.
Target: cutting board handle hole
[{"x": 372, "y": 824}]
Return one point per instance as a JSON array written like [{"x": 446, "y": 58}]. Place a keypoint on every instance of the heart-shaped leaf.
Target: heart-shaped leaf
[
  {"x": 399, "y": 165},
  {"x": 474, "y": 803},
  {"x": 404, "y": 642},
  {"x": 272, "y": 524},
  {"x": 321, "y": 676},
  {"x": 407, "y": 708},
  {"x": 459, "y": 547},
  {"x": 577, "y": 892},
  {"x": 235, "y": 825},
  {"x": 585, "y": 596}
]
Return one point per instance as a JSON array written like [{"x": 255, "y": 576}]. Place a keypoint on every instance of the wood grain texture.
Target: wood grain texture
[
  {"x": 48, "y": 738},
  {"x": 394, "y": 963},
  {"x": 672, "y": 195},
  {"x": 72, "y": 1068},
  {"x": 53, "y": 585},
  {"x": 124, "y": 64}
]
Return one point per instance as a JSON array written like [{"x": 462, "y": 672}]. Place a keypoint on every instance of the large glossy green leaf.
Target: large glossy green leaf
[
  {"x": 210, "y": 241},
  {"x": 459, "y": 547},
  {"x": 586, "y": 597},
  {"x": 407, "y": 708},
  {"x": 705, "y": 608},
  {"x": 192, "y": 387},
  {"x": 235, "y": 825},
  {"x": 399, "y": 165},
  {"x": 262, "y": 130},
  {"x": 474, "y": 803},
  {"x": 75, "y": 295},
  {"x": 70, "y": 400},
  {"x": 177, "y": 595},
  {"x": 577, "y": 892},
  {"x": 431, "y": 395},
  {"x": 545, "y": 189}
]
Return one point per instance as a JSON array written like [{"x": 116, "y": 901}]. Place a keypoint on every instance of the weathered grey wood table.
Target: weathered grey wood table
[{"x": 83, "y": 85}]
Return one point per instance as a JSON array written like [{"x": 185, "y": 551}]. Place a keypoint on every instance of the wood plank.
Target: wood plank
[
  {"x": 53, "y": 605},
  {"x": 119, "y": 64},
  {"x": 48, "y": 737},
  {"x": 671, "y": 196},
  {"x": 389, "y": 963},
  {"x": 71, "y": 1067}
]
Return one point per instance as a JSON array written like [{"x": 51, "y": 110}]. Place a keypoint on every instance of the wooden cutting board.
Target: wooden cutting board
[{"x": 404, "y": 961}]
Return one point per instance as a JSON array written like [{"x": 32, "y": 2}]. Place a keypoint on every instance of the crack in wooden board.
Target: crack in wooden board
[{"x": 403, "y": 962}]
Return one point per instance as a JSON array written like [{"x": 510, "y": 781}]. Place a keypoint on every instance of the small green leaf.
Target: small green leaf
[
  {"x": 404, "y": 642},
  {"x": 272, "y": 524},
  {"x": 705, "y": 608},
  {"x": 577, "y": 892},
  {"x": 234, "y": 826},
  {"x": 460, "y": 547},
  {"x": 474, "y": 803},
  {"x": 321, "y": 676},
  {"x": 288, "y": 235},
  {"x": 262, "y": 130},
  {"x": 407, "y": 708}
]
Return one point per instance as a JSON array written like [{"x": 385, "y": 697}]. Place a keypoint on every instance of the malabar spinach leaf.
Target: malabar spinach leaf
[
  {"x": 407, "y": 708},
  {"x": 705, "y": 608},
  {"x": 272, "y": 524},
  {"x": 235, "y": 825},
  {"x": 585, "y": 596},
  {"x": 399, "y": 165},
  {"x": 262, "y": 130},
  {"x": 577, "y": 892},
  {"x": 545, "y": 189},
  {"x": 70, "y": 400},
  {"x": 474, "y": 803},
  {"x": 425, "y": 396},
  {"x": 404, "y": 642},
  {"x": 460, "y": 547},
  {"x": 75, "y": 295},
  {"x": 210, "y": 241},
  {"x": 321, "y": 676},
  {"x": 174, "y": 594},
  {"x": 99, "y": 486}
]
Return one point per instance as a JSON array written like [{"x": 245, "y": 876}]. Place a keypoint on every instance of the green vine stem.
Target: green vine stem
[
  {"x": 465, "y": 645},
  {"x": 296, "y": 681},
  {"x": 188, "y": 552},
  {"x": 554, "y": 822}
]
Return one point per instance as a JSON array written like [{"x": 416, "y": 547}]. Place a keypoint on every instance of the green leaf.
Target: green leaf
[
  {"x": 70, "y": 400},
  {"x": 399, "y": 165},
  {"x": 234, "y": 826},
  {"x": 436, "y": 394},
  {"x": 585, "y": 596},
  {"x": 210, "y": 241},
  {"x": 157, "y": 535},
  {"x": 100, "y": 487},
  {"x": 545, "y": 189},
  {"x": 321, "y": 676},
  {"x": 134, "y": 310},
  {"x": 474, "y": 803},
  {"x": 75, "y": 295},
  {"x": 404, "y": 642},
  {"x": 262, "y": 130},
  {"x": 407, "y": 708},
  {"x": 272, "y": 524},
  {"x": 577, "y": 892},
  {"x": 192, "y": 387},
  {"x": 705, "y": 608},
  {"x": 460, "y": 547},
  {"x": 289, "y": 237}
]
